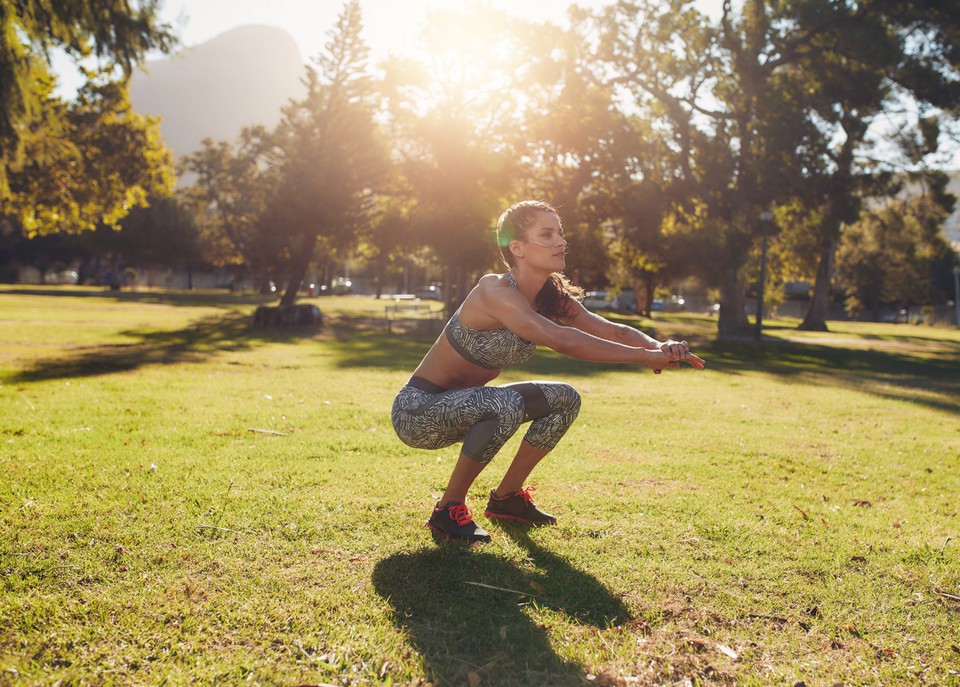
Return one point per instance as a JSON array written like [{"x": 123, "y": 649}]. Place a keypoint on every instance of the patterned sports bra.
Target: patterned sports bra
[{"x": 493, "y": 348}]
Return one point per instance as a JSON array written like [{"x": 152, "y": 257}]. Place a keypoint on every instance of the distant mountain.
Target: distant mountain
[{"x": 237, "y": 79}]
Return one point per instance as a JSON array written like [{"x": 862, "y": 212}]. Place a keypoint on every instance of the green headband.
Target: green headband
[{"x": 505, "y": 234}]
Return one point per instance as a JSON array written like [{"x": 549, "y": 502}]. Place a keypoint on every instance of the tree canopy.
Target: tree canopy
[
  {"x": 665, "y": 136},
  {"x": 772, "y": 102},
  {"x": 69, "y": 166},
  {"x": 117, "y": 33}
]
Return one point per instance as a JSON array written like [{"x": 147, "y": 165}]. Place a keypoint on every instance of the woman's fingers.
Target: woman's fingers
[{"x": 677, "y": 351}]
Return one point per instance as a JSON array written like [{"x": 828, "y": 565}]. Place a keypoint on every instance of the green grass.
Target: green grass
[{"x": 185, "y": 500}]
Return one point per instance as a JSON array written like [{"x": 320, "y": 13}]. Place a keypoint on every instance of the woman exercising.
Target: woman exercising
[{"x": 499, "y": 325}]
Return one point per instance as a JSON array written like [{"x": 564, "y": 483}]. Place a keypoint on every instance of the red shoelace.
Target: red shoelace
[
  {"x": 461, "y": 514},
  {"x": 525, "y": 493}
]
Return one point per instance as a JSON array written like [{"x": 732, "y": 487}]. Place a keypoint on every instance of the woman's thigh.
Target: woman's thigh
[{"x": 432, "y": 421}]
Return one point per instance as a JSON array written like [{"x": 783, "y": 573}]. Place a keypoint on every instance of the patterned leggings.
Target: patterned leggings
[{"x": 483, "y": 417}]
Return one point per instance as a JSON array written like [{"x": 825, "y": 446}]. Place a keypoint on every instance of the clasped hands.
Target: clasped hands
[{"x": 677, "y": 351}]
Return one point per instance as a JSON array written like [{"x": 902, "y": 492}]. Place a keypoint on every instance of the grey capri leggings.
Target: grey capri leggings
[{"x": 483, "y": 417}]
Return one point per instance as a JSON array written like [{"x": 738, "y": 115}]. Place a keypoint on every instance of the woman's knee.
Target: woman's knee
[{"x": 563, "y": 398}]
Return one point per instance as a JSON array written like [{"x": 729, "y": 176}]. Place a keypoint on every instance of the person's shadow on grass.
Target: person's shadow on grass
[{"x": 465, "y": 611}]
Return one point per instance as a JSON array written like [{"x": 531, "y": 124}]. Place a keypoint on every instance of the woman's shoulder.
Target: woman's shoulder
[
  {"x": 490, "y": 285},
  {"x": 495, "y": 287},
  {"x": 485, "y": 304},
  {"x": 494, "y": 280}
]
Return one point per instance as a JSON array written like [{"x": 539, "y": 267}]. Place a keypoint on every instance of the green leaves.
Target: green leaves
[
  {"x": 117, "y": 32},
  {"x": 90, "y": 162}
]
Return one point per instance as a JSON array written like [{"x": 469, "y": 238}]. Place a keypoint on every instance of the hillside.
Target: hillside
[{"x": 240, "y": 78}]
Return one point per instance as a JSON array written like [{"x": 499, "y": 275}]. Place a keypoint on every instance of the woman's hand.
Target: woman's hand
[{"x": 676, "y": 351}]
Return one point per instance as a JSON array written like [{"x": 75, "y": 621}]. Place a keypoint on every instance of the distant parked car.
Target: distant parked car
[
  {"x": 64, "y": 277},
  {"x": 342, "y": 286},
  {"x": 676, "y": 304},
  {"x": 658, "y": 305},
  {"x": 432, "y": 292},
  {"x": 600, "y": 300}
]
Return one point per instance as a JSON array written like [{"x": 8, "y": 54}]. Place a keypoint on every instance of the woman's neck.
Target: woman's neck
[{"x": 529, "y": 281}]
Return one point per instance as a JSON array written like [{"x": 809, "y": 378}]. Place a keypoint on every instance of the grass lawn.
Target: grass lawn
[{"x": 185, "y": 500}]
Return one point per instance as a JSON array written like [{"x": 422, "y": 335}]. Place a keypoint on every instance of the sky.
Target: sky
[{"x": 390, "y": 26}]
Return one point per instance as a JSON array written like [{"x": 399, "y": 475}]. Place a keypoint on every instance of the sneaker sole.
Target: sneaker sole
[
  {"x": 441, "y": 537},
  {"x": 514, "y": 518}
]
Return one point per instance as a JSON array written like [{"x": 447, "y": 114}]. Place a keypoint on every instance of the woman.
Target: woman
[{"x": 499, "y": 324}]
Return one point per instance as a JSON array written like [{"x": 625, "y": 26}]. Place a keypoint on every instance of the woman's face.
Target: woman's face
[{"x": 543, "y": 242}]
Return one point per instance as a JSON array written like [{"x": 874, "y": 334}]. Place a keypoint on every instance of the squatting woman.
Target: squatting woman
[{"x": 499, "y": 324}]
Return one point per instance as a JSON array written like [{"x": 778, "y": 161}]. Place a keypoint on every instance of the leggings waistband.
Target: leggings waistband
[{"x": 424, "y": 385}]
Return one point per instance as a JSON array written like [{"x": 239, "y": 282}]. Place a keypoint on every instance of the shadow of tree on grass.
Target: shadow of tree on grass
[
  {"x": 194, "y": 343},
  {"x": 921, "y": 378},
  {"x": 459, "y": 626},
  {"x": 205, "y": 299}
]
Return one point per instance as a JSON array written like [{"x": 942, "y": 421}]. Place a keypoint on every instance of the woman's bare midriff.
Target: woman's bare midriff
[{"x": 447, "y": 369}]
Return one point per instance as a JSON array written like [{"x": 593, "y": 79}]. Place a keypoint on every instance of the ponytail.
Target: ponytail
[{"x": 554, "y": 298}]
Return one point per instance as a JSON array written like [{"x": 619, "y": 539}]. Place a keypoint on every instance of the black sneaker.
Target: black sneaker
[
  {"x": 454, "y": 522},
  {"x": 518, "y": 507}
]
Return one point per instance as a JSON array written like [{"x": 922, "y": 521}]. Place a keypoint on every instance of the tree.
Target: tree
[
  {"x": 889, "y": 52},
  {"x": 89, "y": 163},
  {"x": 719, "y": 92},
  {"x": 451, "y": 120},
  {"x": 162, "y": 234},
  {"x": 897, "y": 254},
  {"x": 387, "y": 240},
  {"x": 327, "y": 153},
  {"x": 232, "y": 186},
  {"x": 644, "y": 250},
  {"x": 118, "y": 33},
  {"x": 583, "y": 155},
  {"x": 703, "y": 88}
]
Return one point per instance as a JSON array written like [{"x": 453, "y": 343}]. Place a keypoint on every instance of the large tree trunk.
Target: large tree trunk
[
  {"x": 264, "y": 287},
  {"x": 641, "y": 303},
  {"x": 378, "y": 280},
  {"x": 298, "y": 270},
  {"x": 643, "y": 290},
  {"x": 733, "y": 306},
  {"x": 816, "y": 317},
  {"x": 116, "y": 279}
]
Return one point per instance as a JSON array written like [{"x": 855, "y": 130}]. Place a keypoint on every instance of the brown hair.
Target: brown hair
[{"x": 557, "y": 292}]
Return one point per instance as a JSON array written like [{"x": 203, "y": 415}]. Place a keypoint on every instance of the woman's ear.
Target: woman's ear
[{"x": 516, "y": 247}]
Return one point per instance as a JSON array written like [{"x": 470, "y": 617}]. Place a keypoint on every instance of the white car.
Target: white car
[{"x": 600, "y": 300}]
